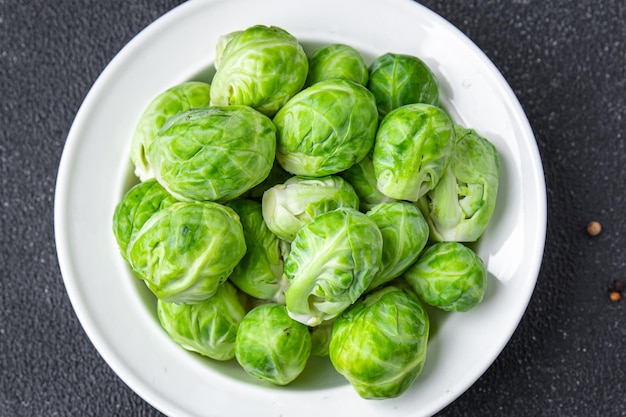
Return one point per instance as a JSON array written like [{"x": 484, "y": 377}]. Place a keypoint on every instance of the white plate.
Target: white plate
[{"x": 116, "y": 310}]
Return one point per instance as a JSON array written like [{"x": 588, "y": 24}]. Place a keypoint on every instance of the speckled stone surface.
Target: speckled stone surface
[{"x": 565, "y": 60}]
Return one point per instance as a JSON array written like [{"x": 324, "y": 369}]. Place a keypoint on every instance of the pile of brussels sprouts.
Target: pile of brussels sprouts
[{"x": 307, "y": 205}]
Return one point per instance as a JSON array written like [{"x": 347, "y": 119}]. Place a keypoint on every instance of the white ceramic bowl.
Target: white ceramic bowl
[{"x": 117, "y": 311}]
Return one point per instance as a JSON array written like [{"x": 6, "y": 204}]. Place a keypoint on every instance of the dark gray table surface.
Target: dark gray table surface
[{"x": 565, "y": 60}]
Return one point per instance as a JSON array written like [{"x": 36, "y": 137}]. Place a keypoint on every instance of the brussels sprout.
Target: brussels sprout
[
  {"x": 271, "y": 346},
  {"x": 221, "y": 45},
  {"x": 379, "y": 344},
  {"x": 326, "y": 128},
  {"x": 405, "y": 233},
  {"x": 289, "y": 206},
  {"x": 333, "y": 259},
  {"x": 209, "y": 327},
  {"x": 450, "y": 276},
  {"x": 396, "y": 80},
  {"x": 461, "y": 205},
  {"x": 412, "y": 150},
  {"x": 185, "y": 251},
  {"x": 337, "y": 61},
  {"x": 180, "y": 98},
  {"x": 260, "y": 272},
  {"x": 136, "y": 207},
  {"x": 213, "y": 154},
  {"x": 361, "y": 177},
  {"x": 261, "y": 67}
]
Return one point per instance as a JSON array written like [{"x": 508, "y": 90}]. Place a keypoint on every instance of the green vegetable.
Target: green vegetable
[
  {"x": 326, "y": 128},
  {"x": 405, "y": 233},
  {"x": 261, "y": 67},
  {"x": 137, "y": 206},
  {"x": 396, "y": 80},
  {"x": 412, "y": 150},
  {"x": 333, "y": 259},
  {"x": 185, "y": 251},
  {"x": 209, "y": 327},
  {"x": 221, "y": 45},
  {"x": 361, "y": 177},
  {"x": 337, "y": 61},
  {"x": 214, "y": 154},
  {"x": 460, "y": 206},
  {"x": 271, "y": 346},
  {"x": 285, "y": 210},
  {"x": 289, "y": 206},
  {"x": 450, "y": 276},
  {"x": 260, "y": 272},
  {"x": 379, "y": 344},
  {"x": 180, "y": 98}
]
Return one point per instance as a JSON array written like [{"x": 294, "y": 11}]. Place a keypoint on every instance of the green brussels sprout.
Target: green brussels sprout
[
  {"x": 412, "y": 150},
  {"x": 221, "y": 45},
  {"x": 448, "y": 275},
  {"x": 320, "y": 338},
  {"x": 405, "y": 234},
  {"x": 261, "y": 67},
  {"x": 209, "y": 327},
  {"x": 326, "y": 128},
  {"x": 333, "y": 259},
  {"x": 361, "y": 177},
  {"x": 379, "y": 344},
  {"x": 260, "y": 272},
  {"x": 136, "y": 207},
  {"x": 337, "y": 61},
  {"x": 460, "y": 206},
  {"x": 271, "y": 346},
  {"x": 396, "y": 80},
  {"x": 180, "y": 98},
  {"x": 213, "y": 154},
  {"x": 289, "y": 206},
  {"x": 185, "y": 251}
]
